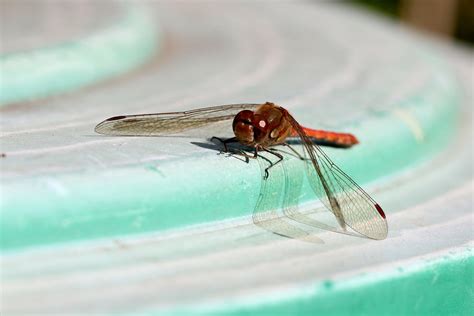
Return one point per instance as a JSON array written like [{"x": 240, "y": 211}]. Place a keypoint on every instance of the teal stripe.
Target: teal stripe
[
  {"x": 442, "y": 286},
  {"x": 71, "y": 65}
]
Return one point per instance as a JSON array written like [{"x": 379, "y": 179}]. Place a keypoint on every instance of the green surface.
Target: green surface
[{"x": 29, "y": 75}]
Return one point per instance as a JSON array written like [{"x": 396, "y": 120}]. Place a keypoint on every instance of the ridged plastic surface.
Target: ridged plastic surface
[{"x": 125, "y": 224}]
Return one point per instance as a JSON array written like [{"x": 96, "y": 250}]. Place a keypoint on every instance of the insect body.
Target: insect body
[{"x": 261, "y": 126}]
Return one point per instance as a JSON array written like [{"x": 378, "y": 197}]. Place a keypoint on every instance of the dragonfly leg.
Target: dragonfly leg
[
  {"x": 235, "y": 151},
  {"x": 272, "y": 164},
  {"x": 246, "y": 155}
]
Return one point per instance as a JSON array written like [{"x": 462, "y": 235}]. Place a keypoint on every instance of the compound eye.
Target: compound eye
[
  {"x": 244, "y": 117},
  {"x": 262, "y": 124}
]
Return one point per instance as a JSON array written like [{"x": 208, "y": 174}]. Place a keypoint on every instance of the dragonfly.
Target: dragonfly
[{"x": 261, "y": 127}]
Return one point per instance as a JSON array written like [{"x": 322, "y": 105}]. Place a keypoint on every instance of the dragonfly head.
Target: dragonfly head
[{"x": 266, "y": 126}]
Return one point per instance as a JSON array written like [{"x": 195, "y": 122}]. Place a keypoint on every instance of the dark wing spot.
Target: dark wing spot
[
  {"x": 115, "y": 118},
  {"x": 379, "y": 209}
]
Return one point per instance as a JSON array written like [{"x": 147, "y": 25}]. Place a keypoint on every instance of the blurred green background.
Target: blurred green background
[{"x": 448, "y": 18}]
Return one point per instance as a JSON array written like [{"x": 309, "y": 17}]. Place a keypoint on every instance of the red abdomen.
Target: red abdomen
[{"x": 331, "y": 138}]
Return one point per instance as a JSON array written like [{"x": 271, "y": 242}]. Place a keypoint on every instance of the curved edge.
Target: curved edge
[{"x": 72, "y": 65}]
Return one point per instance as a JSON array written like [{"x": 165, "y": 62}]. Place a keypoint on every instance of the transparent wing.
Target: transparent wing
[
  {"x": 351, "y": 205},
  {"x": 276, "y": 195},
  {"x": 169, "y": 123}
]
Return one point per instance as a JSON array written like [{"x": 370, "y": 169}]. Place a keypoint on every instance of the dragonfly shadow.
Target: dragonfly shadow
[
  {"x": 210, "y": 146},
  {"x": 235, "y": 150},
  {"x": 218, "y": 146}
]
